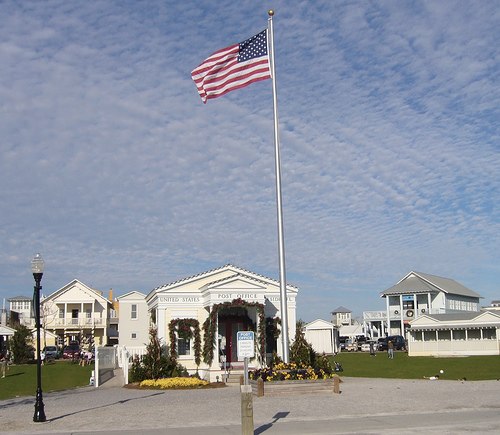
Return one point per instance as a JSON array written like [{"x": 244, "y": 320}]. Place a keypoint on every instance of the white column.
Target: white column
[
  {"x": 429, "y": 302},
  {"x": 217, "y": 350},
  {"x": 401, "y": 315},
  {"x": 160, "y": 323},
  {"x": 388, "y": 315}
]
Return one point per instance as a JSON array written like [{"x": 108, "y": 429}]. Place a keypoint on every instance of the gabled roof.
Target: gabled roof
[
  {"x": 7, "y": 331},
  {"x": 234, "y": 278},
  {"x": 341, "y": 309},
  {"x": 75, "y": 283},
  {"x": 319, "y": 324},
  {"x": 133, "y": 294},
  {"x": 228, "y": 267},
  {"x": 418, "y": 282}
]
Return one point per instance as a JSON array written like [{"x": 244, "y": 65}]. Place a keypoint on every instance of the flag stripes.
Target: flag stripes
[{"x": 227, "y": 69}]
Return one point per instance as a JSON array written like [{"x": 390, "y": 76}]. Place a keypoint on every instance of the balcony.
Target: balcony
[
  {"x": 374, "y": 315},
  {"x": 409, "y": 313},
  {"x": 84, "y": 322}
]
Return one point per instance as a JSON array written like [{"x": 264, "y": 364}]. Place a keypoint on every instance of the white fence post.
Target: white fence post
[{"x": 96, "y": 367}]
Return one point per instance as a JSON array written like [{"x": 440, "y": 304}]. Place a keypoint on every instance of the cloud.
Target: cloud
[{"x": 122, "y": 178}]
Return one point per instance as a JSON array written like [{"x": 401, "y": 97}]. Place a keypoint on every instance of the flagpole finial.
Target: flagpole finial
[{"x": 270, "y": 12}]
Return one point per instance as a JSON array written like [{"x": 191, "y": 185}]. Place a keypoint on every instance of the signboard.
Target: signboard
[
  {"x": 407, "y": 298},
  {"x": 246, "y": 344}
]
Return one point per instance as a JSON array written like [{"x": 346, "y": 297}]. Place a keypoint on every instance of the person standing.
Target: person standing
[
  {"x": 3, "y": 362},
  {"x": 390, "y": 349},
  {"x": 372, "y": 349}
]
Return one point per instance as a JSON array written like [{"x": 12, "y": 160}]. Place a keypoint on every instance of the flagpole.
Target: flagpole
[{"x": 281, "y": 241}]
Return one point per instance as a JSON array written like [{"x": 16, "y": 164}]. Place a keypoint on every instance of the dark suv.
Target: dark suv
[{"x": 397, "y": 340}]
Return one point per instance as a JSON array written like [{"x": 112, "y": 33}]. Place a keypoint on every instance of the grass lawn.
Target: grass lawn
[
  {"x": 20, "y": 380},
  {"x": 473, "y": 368}
]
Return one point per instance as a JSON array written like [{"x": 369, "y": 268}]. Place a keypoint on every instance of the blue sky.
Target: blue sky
[{"x": 116, "y": 172}]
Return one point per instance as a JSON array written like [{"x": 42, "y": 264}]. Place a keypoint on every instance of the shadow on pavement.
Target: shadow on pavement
[
  {"x": 104, "y": 406},
  {"x": 267, "y": 426}
]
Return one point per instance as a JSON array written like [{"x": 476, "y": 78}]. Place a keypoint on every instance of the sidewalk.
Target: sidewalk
[{"x": 365, "y": 405}]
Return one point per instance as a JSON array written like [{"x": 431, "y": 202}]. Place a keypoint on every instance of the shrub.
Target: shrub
[
  {"x": 156, "y": 363},
  {"x": 301, "y": 352}
]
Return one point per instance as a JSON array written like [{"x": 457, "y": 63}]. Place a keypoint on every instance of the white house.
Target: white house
[
  {"x": 342, "y": 316},
  {"x": 375, "y": 323},
  {"x": 20, "y": 310},
  {"x": 211, "y": 308},
  {"x": 6, "y": 333},
  {"x": 133, "y": 321},
  {"x": 76, "y": 312},
  {"x": 322, "y": 336},
  {"x": 466, "y": 333},
  {"x": 419, "y": 294}
]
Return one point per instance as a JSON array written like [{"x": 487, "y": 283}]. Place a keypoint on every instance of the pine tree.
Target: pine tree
[
  {"x": 301, "y": 351},
  {"x": 21, "y": 346}
]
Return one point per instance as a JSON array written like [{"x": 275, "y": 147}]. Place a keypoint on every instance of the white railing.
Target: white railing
[
  {"x": 374, "y": 315},
  {"x": 84, "y": 322},
  {"x": 126, "y": 355}
]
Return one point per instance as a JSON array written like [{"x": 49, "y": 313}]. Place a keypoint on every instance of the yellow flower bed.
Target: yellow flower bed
[{"x": 173, "y": 383}]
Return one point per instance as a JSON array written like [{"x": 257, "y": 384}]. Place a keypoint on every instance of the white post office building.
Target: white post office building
[{"x": 207, "y": 310}]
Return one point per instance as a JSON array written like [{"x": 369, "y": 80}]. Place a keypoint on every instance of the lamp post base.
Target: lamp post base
[{"x": 39, "y": 416}]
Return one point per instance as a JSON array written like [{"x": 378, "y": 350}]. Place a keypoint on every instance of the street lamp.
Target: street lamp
[{"x": 37, "y": 269}]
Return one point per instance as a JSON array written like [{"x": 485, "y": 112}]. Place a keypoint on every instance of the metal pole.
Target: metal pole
[
  {"x": 245, "y": 379},
  {"x": 281, "y": 241},
  {"x": 39, "y": 416}
]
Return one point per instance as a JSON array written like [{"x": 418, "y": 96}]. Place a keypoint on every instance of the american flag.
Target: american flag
[{"x": 233, "y": 67}]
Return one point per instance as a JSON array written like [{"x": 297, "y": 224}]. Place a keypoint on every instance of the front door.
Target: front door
[{"x": 228, "y": 330}]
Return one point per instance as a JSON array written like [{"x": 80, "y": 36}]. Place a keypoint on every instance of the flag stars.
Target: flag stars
[{"x": 253, "y": 47}]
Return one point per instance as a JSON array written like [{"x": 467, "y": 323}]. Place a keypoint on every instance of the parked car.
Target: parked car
[
  {"x": 360, "y": 339},
  {"x": 71, "y": 352},
  {"x": 398, "y": 341},
  {"x": 351, "y": 345},
  {"x": 51, "y": 352},
  {"x": 342, "y": 342},
  {"x": 365, "y": 347}
]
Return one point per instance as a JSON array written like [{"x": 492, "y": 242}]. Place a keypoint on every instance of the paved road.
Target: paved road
[{"x": 368, "y": 406}]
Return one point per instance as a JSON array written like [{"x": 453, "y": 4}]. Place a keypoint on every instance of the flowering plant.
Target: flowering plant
[
  {"x": 291, "y": 371},
  {"x": 174, "y": 383}
]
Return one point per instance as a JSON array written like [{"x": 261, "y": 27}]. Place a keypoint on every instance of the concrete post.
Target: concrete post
[
  {"x": 336, "y": 385},
  {"x": 246, "y": 410}
]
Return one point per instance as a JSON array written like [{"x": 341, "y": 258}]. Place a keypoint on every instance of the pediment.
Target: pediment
[
  {"x": 76, "y": 291},
  {"x": 423, "y": 320},
  {"x": 319, "y": 324},
  {"x": 232, "y": 284},
  {"x": 132, "y": 296},
  {"x": 487, "y": 316}
]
